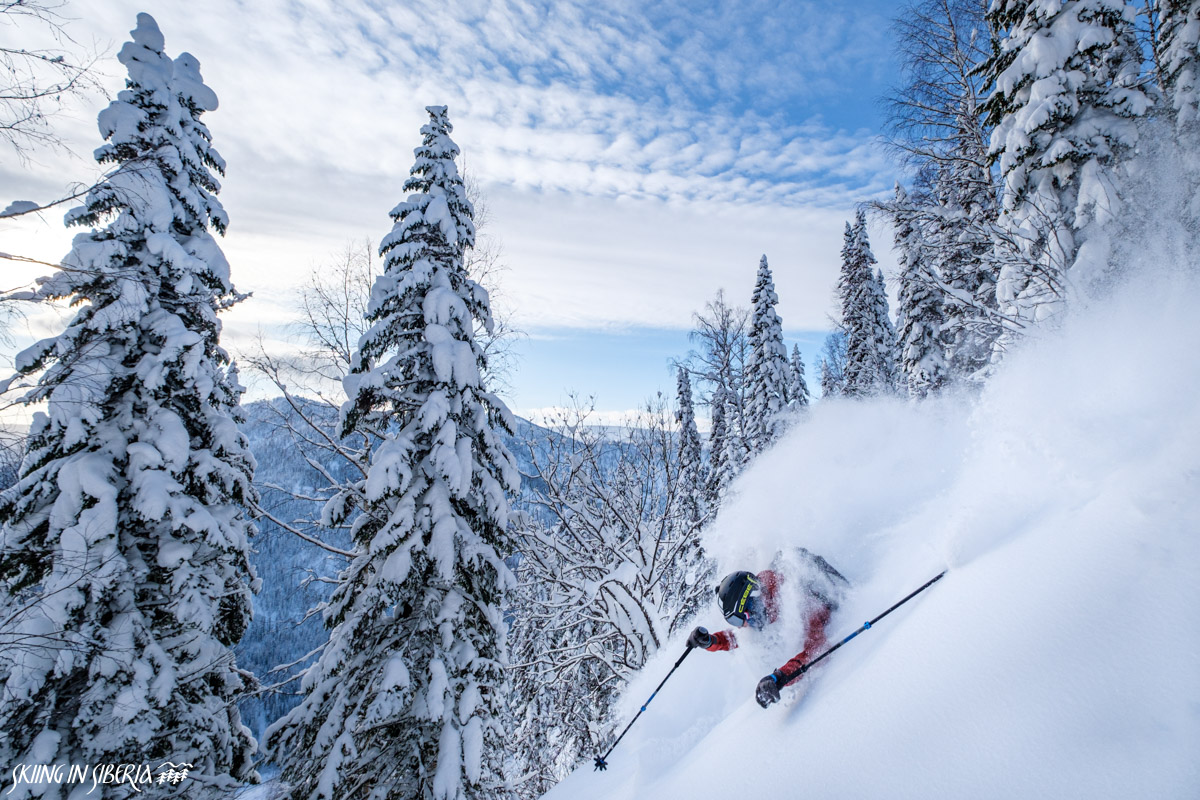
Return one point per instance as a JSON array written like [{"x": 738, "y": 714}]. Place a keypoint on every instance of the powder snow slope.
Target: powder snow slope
[{"x": 1058, "y": 658}]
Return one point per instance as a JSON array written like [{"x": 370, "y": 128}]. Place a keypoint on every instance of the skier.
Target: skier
[{"x": 753, "y": 601}]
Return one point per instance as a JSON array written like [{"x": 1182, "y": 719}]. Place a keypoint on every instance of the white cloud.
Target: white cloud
[
  {"x": 643, "y": 262},
  {"x": 636, "y": 156}
]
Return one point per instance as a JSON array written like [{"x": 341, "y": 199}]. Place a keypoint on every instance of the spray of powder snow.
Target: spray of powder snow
[{"x": 1057, "y": 657}]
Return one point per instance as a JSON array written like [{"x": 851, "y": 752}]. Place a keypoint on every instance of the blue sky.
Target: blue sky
[
  {"x": 616, "y": 367},
  {"x": 635, "y": 157}
]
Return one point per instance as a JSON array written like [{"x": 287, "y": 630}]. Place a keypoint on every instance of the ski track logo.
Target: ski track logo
[{"x": 137, "y": 776}]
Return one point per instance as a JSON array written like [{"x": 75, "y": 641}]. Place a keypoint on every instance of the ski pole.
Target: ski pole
[
  {"x": 601, "y": 763},
  {"x": 786, "y": 678}
]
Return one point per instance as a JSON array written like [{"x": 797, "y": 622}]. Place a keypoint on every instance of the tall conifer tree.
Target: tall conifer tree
[
  {"x": 716, "y": 473},
  {"x": 831, "y": 387},
  {"x": 870, "y": 339},
  {"x": 125, "y": 551},
  {"x": 691, "y": 462},
  {"x": 1178, "y": 53},
  {"x": 921, "y": 313},
  {"x": 797, "y": 387},
  {"x": 856, "y": 274},
  {"x": 733, "y": 455},
  {"x": 1066, "y": 96},
  {"x": 958, "y": 236},
  {"x": 767, "y": 370},
  {"x": 406, "y": 699},
  {"x": 885, "y": 336}
]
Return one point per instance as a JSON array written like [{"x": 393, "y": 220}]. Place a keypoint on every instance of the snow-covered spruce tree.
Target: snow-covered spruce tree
[
  {"x": 767, "y": 369},
  {"x": 406, "y": 698},
  {"x": 857, "y": 315},
  {"x": 1066, "y": 96},
  {"x": 885, "y": 335},
  {"x": 1178, "y": 55},
  {"x": 125, "y": 554},
  {"x": 1170, "y": 147},
  {"x": 830, "y": 387},
  {"x": 797, "y": 387},
  {"x": 716, "y": 473},
  {"x": 733, "y": 455},
  {"x": 870, "y": 340},
  {"x": 955, "y": 233},
  {"x": 735, "y": 452},
  {"x": 691, "y": 460},
  {"x": 958, "y": 226},
  {"x": 921, "y": 312}
]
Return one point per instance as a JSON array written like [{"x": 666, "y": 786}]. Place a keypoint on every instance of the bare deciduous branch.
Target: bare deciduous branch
[{"x": 37, "y": 81}]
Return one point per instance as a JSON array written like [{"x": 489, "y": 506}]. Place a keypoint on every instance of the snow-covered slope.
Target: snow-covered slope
[{"x": 1060, "y": 655}]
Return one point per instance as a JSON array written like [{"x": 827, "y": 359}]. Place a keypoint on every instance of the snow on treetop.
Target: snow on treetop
[
  {"x": 147, "y": 33},
  {"x": 437, "y": 144},
  {"x": 439, "y": 114},
  {"x": 148, "y": 67},
  {"x": 159, "y": 113},
  {"x": 190, "y": 85}
]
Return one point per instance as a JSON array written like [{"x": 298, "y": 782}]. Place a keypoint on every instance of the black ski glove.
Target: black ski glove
[
  {"x": 768, "y": 690},
  {"x": 700, "y": 639}
]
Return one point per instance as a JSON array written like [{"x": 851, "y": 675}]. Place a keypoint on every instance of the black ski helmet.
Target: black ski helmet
[{"x": 734, "y": 593}]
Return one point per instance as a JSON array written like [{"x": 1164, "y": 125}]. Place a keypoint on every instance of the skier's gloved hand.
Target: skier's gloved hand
[
  {"x": 701, "y": 639},
  {"x": 768, "y": 690}
]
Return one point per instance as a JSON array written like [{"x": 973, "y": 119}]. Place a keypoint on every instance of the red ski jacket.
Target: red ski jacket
[{"x": 817, "y": 620}]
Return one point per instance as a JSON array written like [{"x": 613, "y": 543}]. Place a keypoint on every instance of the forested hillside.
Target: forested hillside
[{"x": 296, "y": 573}]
